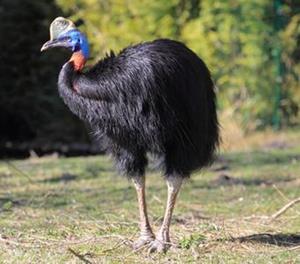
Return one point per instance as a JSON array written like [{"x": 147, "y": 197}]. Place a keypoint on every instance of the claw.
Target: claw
[
  {"x": 142, "y": 241},
  {"x": 158, "y": 246}
]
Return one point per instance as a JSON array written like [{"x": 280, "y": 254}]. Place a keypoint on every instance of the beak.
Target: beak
[{"x": 55, "y": 43}]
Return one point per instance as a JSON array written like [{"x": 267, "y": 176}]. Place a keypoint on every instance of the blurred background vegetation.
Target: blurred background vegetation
[{"x": 251, "y": 47}]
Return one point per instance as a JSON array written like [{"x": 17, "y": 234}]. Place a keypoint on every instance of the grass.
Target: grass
[{"x": 78, "y": 210}]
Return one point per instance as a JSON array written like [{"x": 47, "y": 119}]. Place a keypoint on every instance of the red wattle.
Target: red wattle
[{"x": 78, "y": 60}]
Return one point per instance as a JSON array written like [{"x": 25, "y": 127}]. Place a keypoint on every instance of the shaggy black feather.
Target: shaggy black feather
[{"x": 155, "y": 97}]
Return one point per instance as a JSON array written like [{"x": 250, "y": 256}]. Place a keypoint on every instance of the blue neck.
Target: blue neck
[
  {"x": 79, "y": 42},
  {"x": 85, "y": 46}
]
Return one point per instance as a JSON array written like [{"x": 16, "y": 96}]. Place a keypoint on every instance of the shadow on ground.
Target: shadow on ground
[
  {"x": 226, "y": 180},
  {"x": 65, "y": 177},
  {"x": 257, "y": 158},
  {"x": 281, "y": 240},
  {"x": 8, "y": 202}
]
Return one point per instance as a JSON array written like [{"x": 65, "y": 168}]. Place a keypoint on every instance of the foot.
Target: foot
[
  {"x": 142, "y": 241},
  {"x": 159, "y": 246}
]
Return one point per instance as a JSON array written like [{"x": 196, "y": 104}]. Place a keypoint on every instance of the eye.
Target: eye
[{"x": 65, "y": 38}]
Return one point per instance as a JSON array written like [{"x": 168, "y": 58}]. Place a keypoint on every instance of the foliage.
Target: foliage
[
  {"x": 115, "y": 24},
  {"x": 235, "y": 41},
  {"x": 290, "y": 38},
  {"x": 191, "y": 240},
  {"x": 236, "y": 38},
  {"x": 29, "y": 105}
]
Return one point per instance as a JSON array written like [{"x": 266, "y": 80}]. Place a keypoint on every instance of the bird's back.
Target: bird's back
[{"x": 161, "y": 100}]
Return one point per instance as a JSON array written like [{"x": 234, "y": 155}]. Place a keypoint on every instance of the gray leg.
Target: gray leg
[
  {"x": 162, "y": 241},
  {"x": 146, "y": 234}
]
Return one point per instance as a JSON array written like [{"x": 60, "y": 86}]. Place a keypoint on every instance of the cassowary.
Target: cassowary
[{"x": 155, "y": 97}]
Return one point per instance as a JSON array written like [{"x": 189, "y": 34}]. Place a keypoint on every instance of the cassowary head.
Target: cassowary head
[{"x": 64, "y": 34}]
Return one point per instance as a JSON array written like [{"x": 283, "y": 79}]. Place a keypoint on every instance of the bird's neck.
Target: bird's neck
[{"x": 78, "y": 60}]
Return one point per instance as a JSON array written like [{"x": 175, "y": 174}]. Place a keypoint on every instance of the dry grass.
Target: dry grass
[
  {"x": 236, "y": 139},
  {"x": 77, "y": 210}
]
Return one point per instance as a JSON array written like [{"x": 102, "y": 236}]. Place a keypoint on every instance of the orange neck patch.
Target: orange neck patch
[{"x": 78, "y": 60}]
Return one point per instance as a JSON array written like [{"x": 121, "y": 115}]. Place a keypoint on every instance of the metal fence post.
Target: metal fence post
[{"x": 278, "y": 24}]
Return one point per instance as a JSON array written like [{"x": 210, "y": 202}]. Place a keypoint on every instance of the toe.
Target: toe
[
  {"x": 141, "y": 242},
  {"x": 158, "y": 246}
]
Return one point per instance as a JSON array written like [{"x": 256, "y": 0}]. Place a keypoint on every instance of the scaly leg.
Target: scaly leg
[
  {"x": 146, "y": 234},
  {"x": 162, "y": 241}
]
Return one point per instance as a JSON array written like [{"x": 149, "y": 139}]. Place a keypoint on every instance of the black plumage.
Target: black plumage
[{"x": 155, "y": 97}]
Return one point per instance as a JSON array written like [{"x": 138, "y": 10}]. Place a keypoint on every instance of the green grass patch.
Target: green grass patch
[{"x": 71, "y": 210}]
